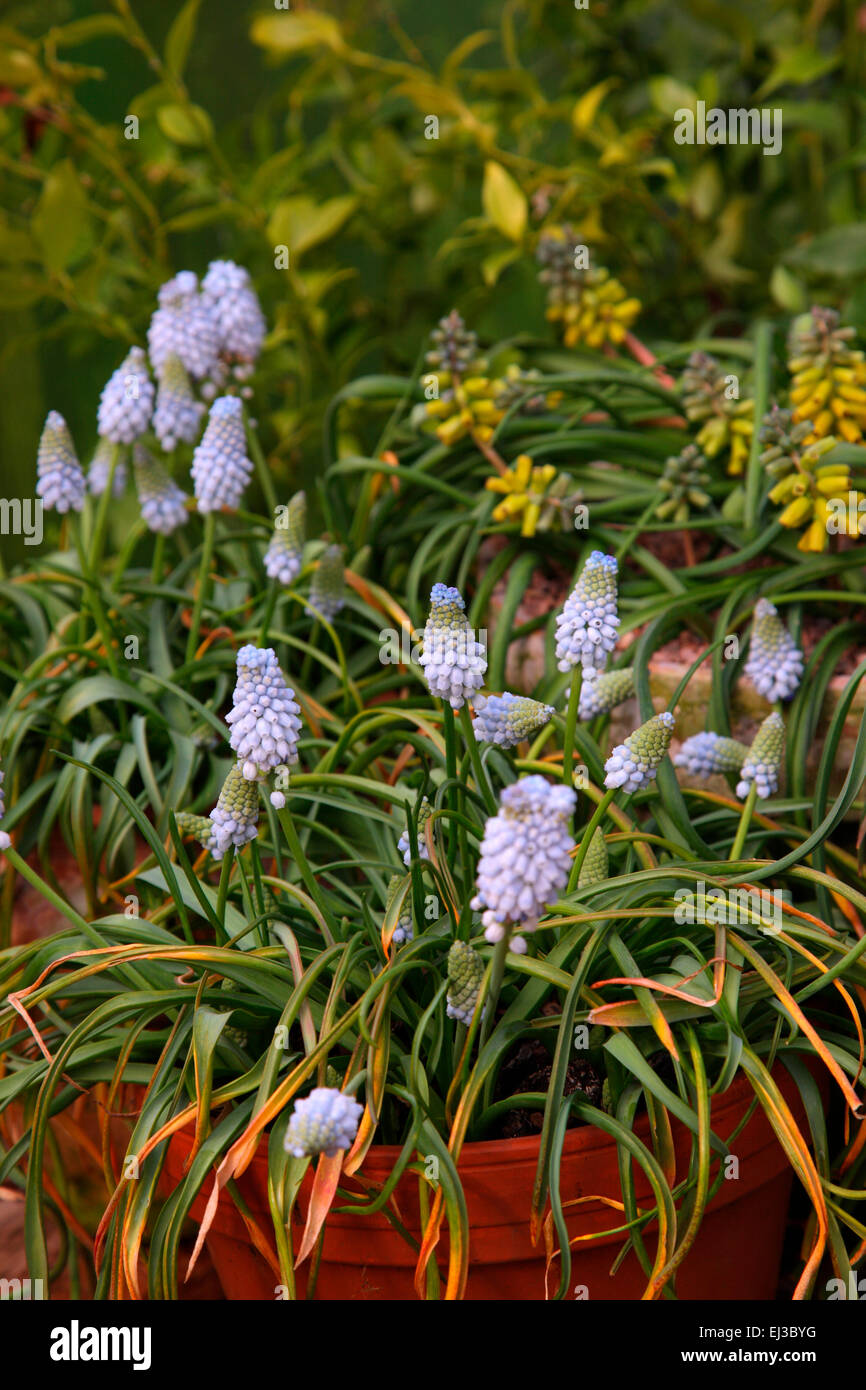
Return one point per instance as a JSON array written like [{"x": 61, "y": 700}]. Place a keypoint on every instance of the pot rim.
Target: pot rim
[{"x": 483, "y": 1152}]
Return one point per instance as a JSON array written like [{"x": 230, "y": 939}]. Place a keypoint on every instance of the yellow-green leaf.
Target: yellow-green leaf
[
  {"x": 492, "y": 266},
  {"x": 293, "y": 32},
  {"x": 464, "y": 49},
  {"x": 431, "y": 97},
  {"x": 61, "y": 221},
  {"x": 586, "y": 108},
  {"x": 669, "y": 96},
  {"x": 315, "y": 284},
  {"x": 185, "y": 125},
  {"x": 194, "y": 218},
  {"x": 503, "y": 201},
  {"x": 300, "y": 223},
  {"x": 797, "y": 67},
  {"x": 706, "y": 190},
  {"x": 788, "y": 292},
  {"x": 180, "y": 37},
  {"x": 94, "y": 26}
]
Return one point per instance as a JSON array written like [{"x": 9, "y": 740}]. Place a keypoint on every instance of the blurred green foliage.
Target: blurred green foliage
[{"x": 258, "y": 127}]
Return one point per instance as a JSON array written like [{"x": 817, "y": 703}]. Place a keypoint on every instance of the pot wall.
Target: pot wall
[{"x": 736, "y": 1257}]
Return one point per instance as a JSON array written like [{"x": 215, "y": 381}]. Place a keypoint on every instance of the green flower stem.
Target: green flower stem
[
  {"x": 754, "y": 472},
  {"x": 482, "y": 781},
  {"x": 223, "y": 892},
  {"x": 586, "y": 838},
  {"x": 743, "y": 827},
  {"x": 490, "y": 996},
  {"x": 570, "y": 722},
  {"x": 307, "y": 665},
  {"x": 101, "y": 525},
  {"x": 125, "y": 553},
  {"x": 158, "y": 560},
  {"x": 270, "y": 605},
  {"x": 297, "y": 853},
  {"x": 94, "y": 602},
  {"x": 451, "y": 775},
  {"x": 462, "y": 820},
  {"x": 265, "y": 479},
  {"x": 203, "y": 584}
]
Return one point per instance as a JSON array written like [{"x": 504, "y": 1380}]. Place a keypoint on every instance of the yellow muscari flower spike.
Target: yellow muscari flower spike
[
  {"x": 797, "y": 511},
  {"x": 834, "y": 487},
  {"x": 828, "y": 386},
  {"x": 814, "y": 538},
  {"x": 515, "y": 503},
  {"x": 497, "y": 484},
  {"x": 524, "y": 487},
  {"x": 523, "y": 469}
]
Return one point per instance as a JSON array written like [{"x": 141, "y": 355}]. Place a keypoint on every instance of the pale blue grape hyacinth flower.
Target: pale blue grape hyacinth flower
[
  {"x": 100, "y": 467},
  {"x": 328, "y": 586},
  {"x": 775, "y": 662},
  {"x": 184, "y": 326},
  {"x": 405, "y": 928},
  {"x": 465, "y": 973},
  {"x": 763, "y": 762},
  {"x": 177, "y": 417},
  {"x": 264, "y": 719},
  {"x": 633, "y": 765},
  {"x": 162, "y": 502},
  {"x": 586, "y": 629},
  {"x": 454, "y": 663},
  {"x": 326, "y": 1121},
  {"x": 705, "y": 754},
  {"x": 235, "y": 817},
  {"x": 200, "y": 827},
  {"x": 220, "y": 467},
  {"x": 60, "y": 478},
  {"x": 602, "y": 691},
  {"x": 234, "y": 305},
  {"x": 403, "y": 846},
  {"x": 525, "y": 857},
  {"x": 507, "y": 719},
  {"x": 284, "y": 557},
  {"x": 126, "y": 403}
]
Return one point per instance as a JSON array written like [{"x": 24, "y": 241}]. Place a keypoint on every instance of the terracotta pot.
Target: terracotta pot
[{"x": 737, "y": 1253}]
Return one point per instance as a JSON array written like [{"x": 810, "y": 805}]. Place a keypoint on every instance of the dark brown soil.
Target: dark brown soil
[
  {"x": 528, "y": 1068},
  {"x": 669, "y": 547}
]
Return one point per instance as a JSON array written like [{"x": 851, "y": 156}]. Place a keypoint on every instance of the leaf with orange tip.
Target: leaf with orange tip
[
  {"x": 628, "y": 1013},
  {"x": 242, "y": 1152},
  {"x": 658, "y": 1022},
  {"x": 321, "y": 1199},
  {"x": 377, "y": 1073},
  {"x": 450, "y": 1201},
  {"x": 645, "y": 983},
  {"x": 628, "y": 1143},
  {"x": 791, "y": 1007},
  {"x": 837, "y": 984},
  {"x": 392, "y": 461},
  {"x": 783, "y": 1122},
  {"x": 379, "y": 598},
  {"x": 256, "y": 1234},
  {"x": 393, "y": 914}
]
